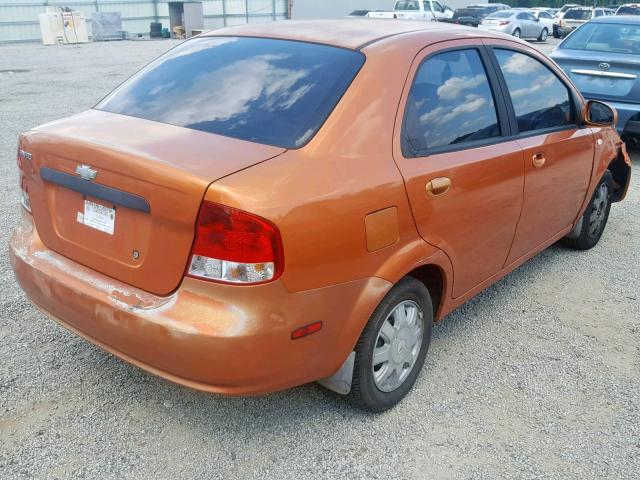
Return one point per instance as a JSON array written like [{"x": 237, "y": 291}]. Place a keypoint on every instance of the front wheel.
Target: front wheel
[
  {"x": 517, "y": 33},
  {"x": 543, "y": 35},
  {"x": 595, "y": 217},
  {"x": 392, "y": 348}
]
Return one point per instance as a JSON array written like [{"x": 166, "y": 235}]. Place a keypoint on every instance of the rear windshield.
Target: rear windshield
[
  {"x": 467, "y": 12},
  {"x": 628, "y": 11},
  {"x": 578, "y": 15},
  {"x": 605, "y": 37},
  {"x": 275, "y": 92}
]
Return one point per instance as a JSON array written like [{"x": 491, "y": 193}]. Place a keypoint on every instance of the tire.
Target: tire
[
  {"x": 380, "y": 387},
  {"x": 595, "y": 216},
  {"x": 556, "y": 34},
  {"x": 517, "y": 33},
  {"x": 544, "y": 34}
]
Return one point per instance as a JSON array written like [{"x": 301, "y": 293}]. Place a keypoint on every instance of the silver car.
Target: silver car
[{"x": 518, "y": 23}]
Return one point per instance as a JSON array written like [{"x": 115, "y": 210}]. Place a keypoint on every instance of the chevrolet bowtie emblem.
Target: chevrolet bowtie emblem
[{"x": 86, "y": 172}]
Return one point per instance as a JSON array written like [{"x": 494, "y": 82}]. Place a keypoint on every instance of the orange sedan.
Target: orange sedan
[{"x": 269, "y": 205}]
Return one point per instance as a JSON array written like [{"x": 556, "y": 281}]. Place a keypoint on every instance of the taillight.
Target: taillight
[
  {"x": 233, "y": 246},
  {"x": 503, "y": 23},
  {"x": 25, "y": 201}
]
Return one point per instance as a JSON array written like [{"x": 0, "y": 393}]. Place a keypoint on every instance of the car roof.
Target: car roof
[
  {"x": 618, "y": 19},
  {"x": 352, "y": 33}
]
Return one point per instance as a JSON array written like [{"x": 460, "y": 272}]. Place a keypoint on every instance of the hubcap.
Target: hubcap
[
  {"x": 598, "y": 210},
  {"x": 397, "y": 346},
  {"x": 516, "y": 34}
]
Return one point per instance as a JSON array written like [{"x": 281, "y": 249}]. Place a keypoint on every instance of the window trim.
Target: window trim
[
  {"x": 516, "y": 133},
  {"x": 498, "y": 100}
]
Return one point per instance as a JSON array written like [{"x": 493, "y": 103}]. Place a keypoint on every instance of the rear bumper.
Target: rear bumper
[{"x": 225, "y": 339}]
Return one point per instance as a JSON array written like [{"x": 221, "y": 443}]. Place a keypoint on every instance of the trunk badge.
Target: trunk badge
[
  {"x": 86, "y": 172},
  {"x": 604, "y": 66}
]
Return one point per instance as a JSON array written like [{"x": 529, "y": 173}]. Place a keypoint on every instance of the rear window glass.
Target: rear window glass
[
  {"x": 275, "y": 92},
  {"x": 407, "y": 5},
  {"x": 605, "y": 37},
  {"x": 628, "y": 11},
  {"x": 578, "y": 15},
  {"x": 467, "y": 12}
]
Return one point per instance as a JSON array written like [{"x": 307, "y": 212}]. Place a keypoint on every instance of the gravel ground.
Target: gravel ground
[{"x": 538, "y": 377}]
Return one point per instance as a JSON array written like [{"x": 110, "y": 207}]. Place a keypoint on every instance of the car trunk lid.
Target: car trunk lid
[
  {"x": 121, "y": 195},
  {"x": 595, "y": 78}
]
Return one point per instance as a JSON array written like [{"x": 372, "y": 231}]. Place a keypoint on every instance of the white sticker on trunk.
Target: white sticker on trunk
[{"x": 98, "y": 216}]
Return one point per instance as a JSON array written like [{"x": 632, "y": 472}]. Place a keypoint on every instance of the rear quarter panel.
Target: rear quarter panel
[{"x": 320, "y": 195}]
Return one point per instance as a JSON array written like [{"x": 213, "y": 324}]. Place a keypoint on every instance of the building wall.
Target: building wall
[
  {"x": 19, "y": 18},
  {"x": 308, "y": 9}
]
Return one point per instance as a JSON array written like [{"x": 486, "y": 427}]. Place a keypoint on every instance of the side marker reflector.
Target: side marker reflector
[{"x": 306, "y": 330}]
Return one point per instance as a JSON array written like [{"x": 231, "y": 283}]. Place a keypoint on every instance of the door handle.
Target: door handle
[
  {"x": 539, "y": 160},
  {"x": 438, "y": 186}
]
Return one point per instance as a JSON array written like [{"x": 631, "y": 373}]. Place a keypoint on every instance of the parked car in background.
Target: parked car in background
[
  {"x": 415, "y": 10},
  {"x": 518, "y": 23},
  {"x": 629, "y": 9},
  {"x": 558, "y": 16},
  {"x": 359, "y": 13},
  {"x": 544, "y": 16},
  {"x": 231, "y": 219},
  {"x": 578, "y": 16},
  {"x": 490, "y": 7},
  {"x": 603, "y": 60},
  {"x": 467, "y": 16},
  {"x": 486, "y": 10}
]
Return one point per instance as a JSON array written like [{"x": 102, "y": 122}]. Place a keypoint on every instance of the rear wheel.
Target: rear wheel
[
  {"x": 543, "y": 35},
  {"x": 517, "y": 33},
  {"x": 595, "y": 216},
  {"x": 391, "y": 350}
]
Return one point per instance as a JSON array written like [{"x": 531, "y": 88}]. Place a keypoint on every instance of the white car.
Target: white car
[
  {"x": 558, "y": 17},
  {"x": 545, "y": 18},
  {"x": 576, "y": 17},
  {"x": 519, "y": 23},
  {"x": 430, "y": 10}
]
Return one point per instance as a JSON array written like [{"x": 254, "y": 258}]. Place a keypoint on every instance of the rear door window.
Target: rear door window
[
  {"x": 540, "y": 100},
  {"x": 275, "y": 92},
  {"x": 407, "y": 5},
  {"x": 450, "y": 103}
]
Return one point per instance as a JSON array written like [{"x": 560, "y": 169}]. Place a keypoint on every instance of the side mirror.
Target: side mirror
[
  {"x": 536, "y": 19},
  {"x": 600, "y": 114}
]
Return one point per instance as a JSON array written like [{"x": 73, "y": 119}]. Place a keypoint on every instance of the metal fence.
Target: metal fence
[{"x": 19, "y": 18}]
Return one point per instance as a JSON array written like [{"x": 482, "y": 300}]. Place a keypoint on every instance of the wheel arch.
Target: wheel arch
[
  {"x": 621, "y": 173},
  {"x": 435, "y": 279}
]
